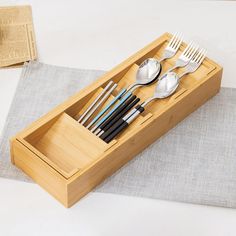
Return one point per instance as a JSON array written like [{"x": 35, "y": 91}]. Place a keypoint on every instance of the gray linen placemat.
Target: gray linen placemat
[{"x": 195, "y": 162}]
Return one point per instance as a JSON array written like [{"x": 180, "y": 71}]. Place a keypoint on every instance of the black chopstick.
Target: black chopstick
[
  {"x": 120, "y": 122},
  {"x": 117, "y": 116},
  {"x": 114, "y": 114}
]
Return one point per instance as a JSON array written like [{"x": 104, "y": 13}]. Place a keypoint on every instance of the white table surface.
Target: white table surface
[{"x": 99, "y": 35}]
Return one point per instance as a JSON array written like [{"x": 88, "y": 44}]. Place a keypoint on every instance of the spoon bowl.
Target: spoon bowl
[
  {"x": 148, "y": 72},
  {"x": 166, "y": 85}
]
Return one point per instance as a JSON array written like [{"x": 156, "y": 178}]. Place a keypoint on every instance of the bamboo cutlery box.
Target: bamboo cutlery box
[{"x": 68, "y": 161}]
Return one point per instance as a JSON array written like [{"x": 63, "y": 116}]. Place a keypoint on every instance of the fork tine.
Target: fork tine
[
  {"x": 176, "y": 41},
  {"x": 196, "y": 47},
  {"x": 179, "y": 43},
  {"x": 173, "y": 37},
  {"x": 192, "y": 51},
  {"x": 195, "y": 59},
  {"x": 188, "y": 48},
  {"x": 185, "y": 50},
  {"x": 199, "y": 58},
  {"x": 202, "y": 57}
]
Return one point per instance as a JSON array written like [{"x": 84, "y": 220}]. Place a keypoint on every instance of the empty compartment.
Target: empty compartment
[{"x": 66, "y": 145}]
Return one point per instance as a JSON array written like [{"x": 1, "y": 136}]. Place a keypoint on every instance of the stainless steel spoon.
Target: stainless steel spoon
[
  {"x": 147, "y": 73},
  {"x": 166, "y": 86}
]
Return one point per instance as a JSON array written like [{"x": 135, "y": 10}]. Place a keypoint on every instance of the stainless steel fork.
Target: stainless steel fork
[
  {"x": 186, "y": 56},
  {"x": 194, "y": 63},
  {"x": 172, "y": 47}
]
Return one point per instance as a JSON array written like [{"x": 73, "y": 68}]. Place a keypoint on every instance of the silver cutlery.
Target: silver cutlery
[
  {"x": 166, "y": 86},
  {"x": 184, "y": 58},
  {"x": 172, "y": 47},
  {"x": 145, "y": 69}
]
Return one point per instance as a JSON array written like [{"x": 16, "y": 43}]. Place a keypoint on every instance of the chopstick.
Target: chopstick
[
  {"x": 105, "y": 109},
  {"x": 116, "y": 106},
  {"x": 121, "y": 124},
  {"x": 104, "y": 98},
  {"x": 118, "y": 114},
  {"x": 95, "y": 101}
]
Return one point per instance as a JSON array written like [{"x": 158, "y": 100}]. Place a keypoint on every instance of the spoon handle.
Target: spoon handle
[
  {"x": 121, "y": 124},
  {"x": 108, "y": 106},
  {"x": 104, "y": 118},
  {"x": 119, "y": 113}
]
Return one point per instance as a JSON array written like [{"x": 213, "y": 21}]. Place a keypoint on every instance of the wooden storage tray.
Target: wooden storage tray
[{"x": 68, "y": 160}]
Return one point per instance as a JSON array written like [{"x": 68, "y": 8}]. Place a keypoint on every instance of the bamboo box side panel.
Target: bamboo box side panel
[{"x": 39, "y": 171}]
